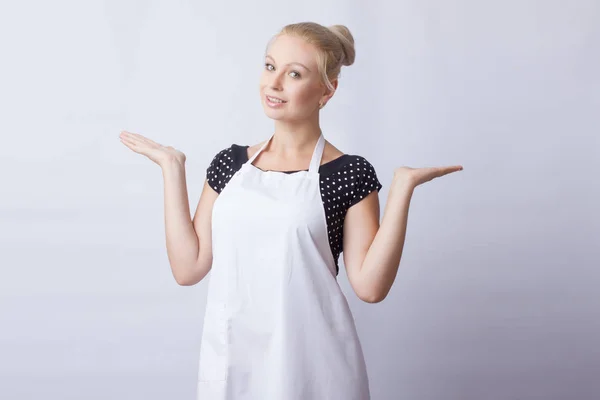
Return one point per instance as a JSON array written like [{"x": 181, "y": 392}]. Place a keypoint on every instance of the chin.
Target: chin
[
  {"x": 275, "y": 117},
  {"x": 273, "y": 114}
]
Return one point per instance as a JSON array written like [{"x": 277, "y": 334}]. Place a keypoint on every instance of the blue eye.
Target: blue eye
[{"x": 295, "y": 72}]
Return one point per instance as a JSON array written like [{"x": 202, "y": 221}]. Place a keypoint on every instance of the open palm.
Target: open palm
[
  {"x": 418, "y": 176},
  {"x": 154, "y": 151}
]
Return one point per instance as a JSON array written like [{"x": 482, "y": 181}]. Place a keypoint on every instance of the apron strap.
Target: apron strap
[
  {"x": 251, "y": 160},
  {"x": 315, "y": 161}
]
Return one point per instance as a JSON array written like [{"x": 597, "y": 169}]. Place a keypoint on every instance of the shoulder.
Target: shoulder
[
  {"x": 223, "y": 155},
  {"x": 360, "y": 164},
  {"x": 223, "y": 165},
  {"x": 346, "y": 161},
  {"x": 354, "y": 164},
  {"x": 356, "y": 176},
  {"x": 230, "y": 155}
]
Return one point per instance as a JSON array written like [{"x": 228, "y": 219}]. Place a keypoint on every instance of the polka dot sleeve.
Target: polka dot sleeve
[
  {"x": 220, "y": 170},
  {"x": 365, "y": 181}
]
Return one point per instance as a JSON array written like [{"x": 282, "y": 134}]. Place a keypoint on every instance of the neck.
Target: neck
[{"x": 293, "y": 140}]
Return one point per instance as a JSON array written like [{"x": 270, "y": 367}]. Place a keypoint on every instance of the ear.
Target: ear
[
  {"x": 335, "y": 85},
  {"x": 329, "y": 93}
]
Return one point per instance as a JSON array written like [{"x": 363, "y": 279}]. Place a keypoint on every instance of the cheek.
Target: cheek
[
  {"x": 304, "y": 96},
  {"x": 261, "y": 83}
]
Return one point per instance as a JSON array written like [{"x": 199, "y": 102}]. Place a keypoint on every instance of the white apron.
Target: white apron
[{"x": 277, "y": 325}]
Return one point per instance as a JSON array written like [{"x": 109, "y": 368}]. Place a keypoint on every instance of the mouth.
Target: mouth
[{"x": 275, "y": 100}]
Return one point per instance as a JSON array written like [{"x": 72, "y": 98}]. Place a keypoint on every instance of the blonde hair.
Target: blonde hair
[{"x": 335, "y": 47}]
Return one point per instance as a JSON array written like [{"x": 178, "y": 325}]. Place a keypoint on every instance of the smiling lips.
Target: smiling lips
[{"x": 274, "y": 101}]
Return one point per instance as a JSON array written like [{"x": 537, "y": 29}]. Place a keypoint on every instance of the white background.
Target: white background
[{"x": 497, "y": 292}]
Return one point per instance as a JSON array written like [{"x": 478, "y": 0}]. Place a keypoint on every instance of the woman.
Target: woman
[{"x": 270, "y": 224}]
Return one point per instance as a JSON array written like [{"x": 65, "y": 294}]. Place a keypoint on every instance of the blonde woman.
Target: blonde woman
[{"x": 271, "y": 223}]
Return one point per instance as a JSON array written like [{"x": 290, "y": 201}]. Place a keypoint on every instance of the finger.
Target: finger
[
  {"x": 449, "y": 170},
  {"x": 455, "y": 168},
  {"x": 138, "y": 140},
  {"x": 144, "y": 138},
  {"x": 138, "y": 136},
  {"x": 147, "y": 141},
  {"x": 129, "y": 139},
  {"x": 126, "y": 134},
  {"x": 126, "y": 142},
  {"x": 133, "y": 136},
  {"x": 132, "y": 144}
]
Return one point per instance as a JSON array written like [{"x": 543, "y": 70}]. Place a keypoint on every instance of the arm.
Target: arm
[
  {"x": 375, "y": 251},
  {"x": 189, "y": 245},
  {"x": 372, "y": 252}
]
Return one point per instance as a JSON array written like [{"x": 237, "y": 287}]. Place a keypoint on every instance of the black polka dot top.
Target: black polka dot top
[{"x": 345, "y": 181}]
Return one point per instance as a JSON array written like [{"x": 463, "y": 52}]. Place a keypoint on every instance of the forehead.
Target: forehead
[{"x": 287, "y": 49}]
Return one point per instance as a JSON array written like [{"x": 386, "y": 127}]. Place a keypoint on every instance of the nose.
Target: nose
[{"x": 276, "y": 82}]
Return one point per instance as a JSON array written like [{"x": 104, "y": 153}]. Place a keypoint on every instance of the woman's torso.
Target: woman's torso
[{"x": 345, "y": 181}]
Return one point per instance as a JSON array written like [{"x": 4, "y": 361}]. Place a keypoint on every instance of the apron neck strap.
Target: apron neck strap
[
  {"x": 315, "y": 161},
  {"x": 251, "y": 160}
]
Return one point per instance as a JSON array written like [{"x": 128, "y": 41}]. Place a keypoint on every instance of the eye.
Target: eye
[{"x": 267, "y": 65}]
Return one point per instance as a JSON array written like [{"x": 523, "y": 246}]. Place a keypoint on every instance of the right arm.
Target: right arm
[{"x": 189, "y": 242}]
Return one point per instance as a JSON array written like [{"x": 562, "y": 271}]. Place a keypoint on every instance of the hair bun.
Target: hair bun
[{"x": 347, "y": 41}]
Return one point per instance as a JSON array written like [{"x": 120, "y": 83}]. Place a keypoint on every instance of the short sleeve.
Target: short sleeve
[
  {"x": 365, "y": 180},
  {"x": 220, "y": 169}
]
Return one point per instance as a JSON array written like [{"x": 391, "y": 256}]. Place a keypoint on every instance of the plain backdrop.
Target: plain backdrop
[{"x": 497, "y": 292}]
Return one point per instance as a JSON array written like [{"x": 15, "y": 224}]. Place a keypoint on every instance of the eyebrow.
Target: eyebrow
[{"x": 297, "y": 63}]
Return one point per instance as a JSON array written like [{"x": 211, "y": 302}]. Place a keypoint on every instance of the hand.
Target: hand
[
  {"x": 156, "y": 152},
  {"x": 417, "y": 176}
]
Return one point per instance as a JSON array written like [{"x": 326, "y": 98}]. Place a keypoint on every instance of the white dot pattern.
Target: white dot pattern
[
  {"x": 220, "y": 170},
  {"x": 344, "y": 182}
]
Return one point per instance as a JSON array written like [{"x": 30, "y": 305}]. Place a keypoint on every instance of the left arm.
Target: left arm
[{"x": 371, "y": 252}]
